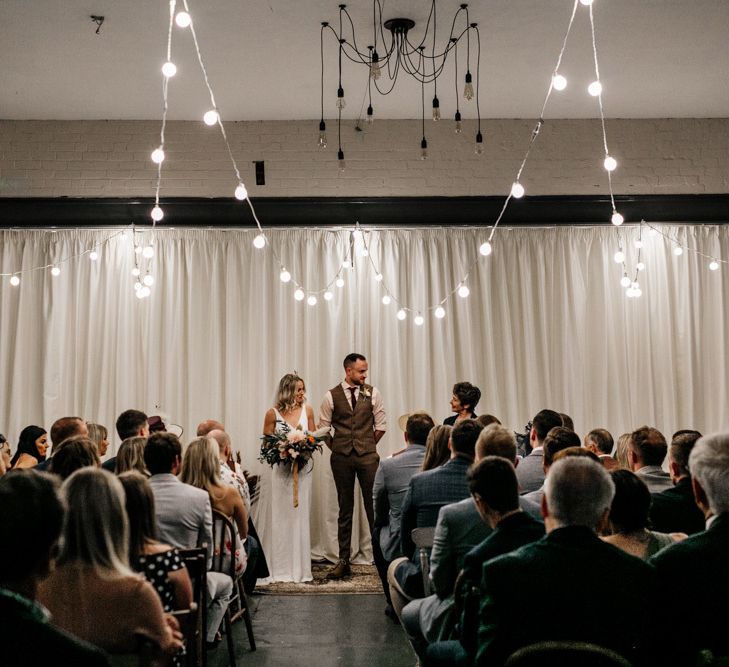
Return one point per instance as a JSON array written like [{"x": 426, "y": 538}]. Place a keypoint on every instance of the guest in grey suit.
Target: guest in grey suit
[
  {"x": 427, "y": 493},
  {"x": 558, "y": 439},
  {"x": 185, "y": 518},
  {"x": 391, "y": 483},
  {"x": 530, "y": 472},
  {"x": 646, "y": 452}
]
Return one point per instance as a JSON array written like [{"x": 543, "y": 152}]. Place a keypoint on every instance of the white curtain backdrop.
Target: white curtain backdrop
[{"x": 546, "y": 325}]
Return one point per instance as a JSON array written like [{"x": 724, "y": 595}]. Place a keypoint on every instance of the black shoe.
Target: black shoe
[
  {"x": 340, "y": 570},
  {"x": 391, "y": 614}
]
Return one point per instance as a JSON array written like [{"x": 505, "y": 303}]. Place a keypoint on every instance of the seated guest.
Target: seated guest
[
  {"x": 600, "y": 442},
  {"x": 621, "y": 451},
  {"x": 646, "y": 451},
  {"x": 5, "y": 456},
  {"x": 131, "y": 456},
  {"x": 628, "y": 520},
  {"x": 203, "y": 428},
  {"x": 567, "y": 421},
  {"x": 72, "y": 455},
  {"x": 459, "y": 529},
  {"x": 201, "y": 469},
  {"x": 99, "y": 435},
  {"x": 391, "y": 483},
  {"x": 185, "y": 518},
  {"x": 32, "y": 447},
  {"x": 463, "y": 402},
  {"x": 495, "y": 491},
  {"x": 160, "y": 563},
  {"x": 675, "y": 510},
  {"x": 228, "y": 476},
  {"x": 129, "y": 424},
  {"x": 436, "y": 447},
  {"x": 427, "y": 493},
  {"x": 530, "y": 471},
  {"x": 487, "y": 420},
  {"x": 558, "y": 439},
  {"x": 694, "y": 572},
  {"x": 569, "y": 578},
  {"x": 93, "y": 593},
  {"x": 31, "y": 518},
  {"x": 63, "y": 429}
]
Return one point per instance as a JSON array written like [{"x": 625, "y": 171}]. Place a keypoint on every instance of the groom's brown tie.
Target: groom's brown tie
[{"x": 354, "y": 398}]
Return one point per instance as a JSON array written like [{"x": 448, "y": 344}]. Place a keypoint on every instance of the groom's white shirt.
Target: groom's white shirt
[{"x": 378, "y": 409}]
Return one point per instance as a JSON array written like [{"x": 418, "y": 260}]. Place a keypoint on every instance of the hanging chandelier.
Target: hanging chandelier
[{"x": 391, "y": 51}]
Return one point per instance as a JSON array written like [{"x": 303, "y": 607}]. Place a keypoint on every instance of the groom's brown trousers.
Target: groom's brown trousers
[{"x": 345, "y": 467}]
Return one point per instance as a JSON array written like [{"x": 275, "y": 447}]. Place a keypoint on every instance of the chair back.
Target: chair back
[
  {"x": 423, "y": 540},
  {"x": 224, "y": 532},
  {"x": 193, "y": 623},
  {"x": 565, "y": 654}
]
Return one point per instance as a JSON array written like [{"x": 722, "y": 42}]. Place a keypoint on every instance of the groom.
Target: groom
[{"x": 354, "y": 410}]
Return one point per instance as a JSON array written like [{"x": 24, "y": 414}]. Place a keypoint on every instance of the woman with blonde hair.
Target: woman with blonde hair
[
  {"x": 436, "y": 447},
  {"x": 621, "y": 451},
  {"x": 201, "y": 468},
  {"x": 93, "y": 593},
  {"x": 131, "y": 456},
  {"x": 99, "y": 435}
]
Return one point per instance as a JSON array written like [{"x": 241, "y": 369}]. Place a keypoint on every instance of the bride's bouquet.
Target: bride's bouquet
[{"x": 292, "y": 448}]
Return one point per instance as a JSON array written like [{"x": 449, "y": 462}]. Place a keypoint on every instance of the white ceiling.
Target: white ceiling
[{"x": 658, "y": 58}]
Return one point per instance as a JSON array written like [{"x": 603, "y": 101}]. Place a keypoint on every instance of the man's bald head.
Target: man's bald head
[
  {"x": 204, "y": 428},
  {"x": 223, "y": 440}
]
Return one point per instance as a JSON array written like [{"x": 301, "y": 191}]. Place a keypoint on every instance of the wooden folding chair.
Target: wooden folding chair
[
  {"x": 196, "y": 563},
  {"x": 423, "y": 539},
  {"x": 224, "y": 532}
]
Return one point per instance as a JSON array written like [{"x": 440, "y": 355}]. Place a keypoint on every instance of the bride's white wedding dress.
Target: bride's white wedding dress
[{"x": 289, "y": 556}]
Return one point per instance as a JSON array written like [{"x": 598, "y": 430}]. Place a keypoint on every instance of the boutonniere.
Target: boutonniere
[{"x": 366, "y": 393}]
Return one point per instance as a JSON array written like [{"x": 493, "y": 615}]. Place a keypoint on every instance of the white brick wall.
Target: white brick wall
[{"x": 111, "y": 158}]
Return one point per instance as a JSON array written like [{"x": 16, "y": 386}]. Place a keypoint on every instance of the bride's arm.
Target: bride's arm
[
  {"x": 269, "y": 422},
  {"x": 310, "y": 419}
]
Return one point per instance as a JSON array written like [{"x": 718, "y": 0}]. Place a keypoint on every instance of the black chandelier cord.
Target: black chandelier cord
[
  {"x": 360, "y": 54},
  {"x": 323, "y": 25},
  {"x": 432, "y": 51},
  {"x": 429, "y": 78},
  {"x": 456, "y": 77},
  {"x": 468, "y": 42},
  {"x": 478, "y": 75},
  {"x": 414, "y": 47},
  {"x": 422, "y": 99}
]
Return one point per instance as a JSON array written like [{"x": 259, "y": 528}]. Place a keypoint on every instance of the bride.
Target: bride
[{"x": 290, "y": 556}]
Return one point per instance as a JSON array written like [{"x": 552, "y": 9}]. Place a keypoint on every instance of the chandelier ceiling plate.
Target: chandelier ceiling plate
[{"x": 399, "y": 25}]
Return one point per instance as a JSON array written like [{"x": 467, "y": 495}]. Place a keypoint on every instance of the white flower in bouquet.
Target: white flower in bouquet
[{"x": 296, "y": 436}]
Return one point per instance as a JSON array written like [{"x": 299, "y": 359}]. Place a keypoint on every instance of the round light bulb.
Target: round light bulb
[
  {"x": 610, "y": 163},
  {"x": 148, "y": 252},
  {"x": 517, "y": 190},
  {"x": 587, "y": 3},
  {"x": 259, "y": 242},
  {"x": 619, "y": 257},
  {"x": 299, "y": 294},
  {"x": 401, "y": 314},
  {"x": 559, "y": 82},
  {"x": 135, "y": 272},
  {"x": 346, "y": 264},
  {"x": 148, "y": 280},
  {"x": 145, "y": 292},
  {"x": 638, "y": 243},
  {"x": 636, "y": 290},
  {"x": 386, "y": 300},
  {"x": 137, "y": 250},
  {"x": 183, "y": 19},
  {"x": 617, "y": 219},
  {"x": 137, "y": 285},
  {"x": 328, "y": 296},
  {"x": 285, "y": 276},
  {"x": 55, "y": 271},
  {"x": 640, "y": 266},
  {"x": 14, "y": 281},
  {"x": 169, "y": 69},
  {"x": 714, "y": 265},
  {"x": 595, "y": 88},
  {"x": 158, "y": 155},
  {"x": 378, "y": 277},
  {"x": 485, "y": 249},
  {"x": 625, "y": 281},
  {"x": 339, "y": 282},
  {"x": 463, "y": 291},
  {"x": 240, "y": 192},
  {"x": 364, "y": 252},
  {"x": 157, "y": 214},
  {"x": 93, "y": 255},
  {"x": 210, "y": 117},
  {"x": 138, "y": 291},
  {"x": 312, "y": 300},
  {"x": 440, "y": 312},
  {"x": 678, "y": 251},
  {"x": 419, "y": 320}
]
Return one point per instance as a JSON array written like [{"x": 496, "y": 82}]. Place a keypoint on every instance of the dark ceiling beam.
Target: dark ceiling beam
[{"x": 346, "y": 211}]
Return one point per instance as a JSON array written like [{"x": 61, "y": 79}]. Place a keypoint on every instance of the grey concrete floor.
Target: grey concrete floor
[{"x": 318, "y": 631}]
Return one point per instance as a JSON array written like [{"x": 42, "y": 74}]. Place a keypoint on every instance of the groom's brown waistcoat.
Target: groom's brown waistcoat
[{"x": 353, "y": 429}]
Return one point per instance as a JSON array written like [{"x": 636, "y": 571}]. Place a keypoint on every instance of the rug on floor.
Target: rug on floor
[{"x": 363, "y": 580}]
